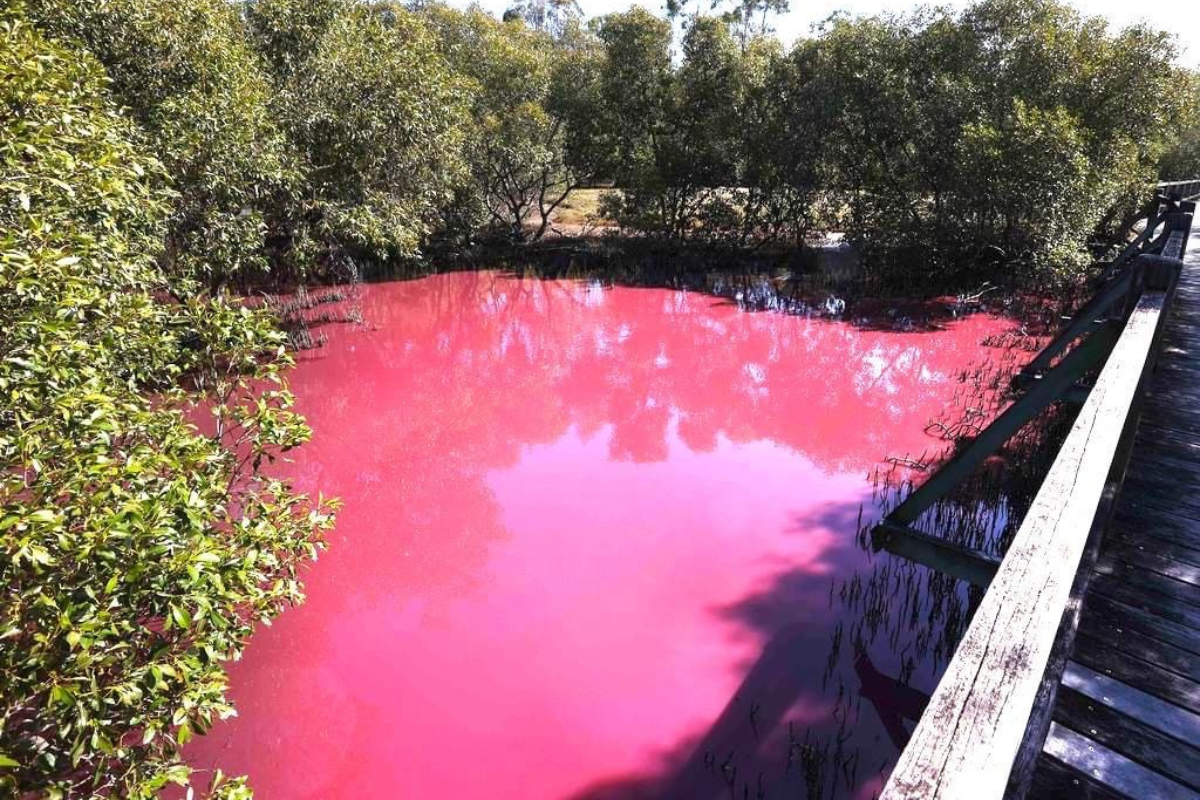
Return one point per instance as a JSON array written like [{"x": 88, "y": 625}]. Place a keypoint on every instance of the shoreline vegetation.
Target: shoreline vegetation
[{"x": 162, "y": 160}]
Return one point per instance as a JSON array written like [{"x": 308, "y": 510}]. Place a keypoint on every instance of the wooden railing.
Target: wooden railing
[
  {"x": 1182, "y": 190},
  {"x": 983, "y": 729}
]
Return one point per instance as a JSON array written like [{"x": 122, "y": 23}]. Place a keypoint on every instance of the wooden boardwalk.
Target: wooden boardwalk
[{"x": 1126, "y": 722}]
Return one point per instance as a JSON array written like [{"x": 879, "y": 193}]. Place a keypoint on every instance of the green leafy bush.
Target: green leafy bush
[
  {"x": 523, "y": 109},
  {"x": 189, "y": 75},
  {"x": 988, "y": 144},
  {"x": 376, "y": 116},
  {"x": 136, "y": 552},
  {"x": 677, "y": 138},
  {"x": 1181, "y": 160}
]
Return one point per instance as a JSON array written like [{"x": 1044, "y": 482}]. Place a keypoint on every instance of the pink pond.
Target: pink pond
[{"x": 588, "y": 549}]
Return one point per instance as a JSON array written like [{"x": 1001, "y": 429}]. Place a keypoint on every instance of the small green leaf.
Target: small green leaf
[{"x": 180, "y": 616}]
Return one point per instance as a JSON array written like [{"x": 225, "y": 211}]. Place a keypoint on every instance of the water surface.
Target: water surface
[{"x": 595, "y": 543}]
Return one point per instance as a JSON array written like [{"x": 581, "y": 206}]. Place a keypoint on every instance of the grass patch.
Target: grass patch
[{"x": 581, "y": 207}]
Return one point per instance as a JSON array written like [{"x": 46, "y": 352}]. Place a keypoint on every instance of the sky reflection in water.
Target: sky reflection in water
[{"x": 586, "y": 549}]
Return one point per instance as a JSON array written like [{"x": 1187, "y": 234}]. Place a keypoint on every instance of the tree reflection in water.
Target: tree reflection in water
[{"x": 610, "y": 542}]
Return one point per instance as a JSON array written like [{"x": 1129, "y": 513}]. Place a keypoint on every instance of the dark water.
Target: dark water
[{"x": 601, "y": 543}]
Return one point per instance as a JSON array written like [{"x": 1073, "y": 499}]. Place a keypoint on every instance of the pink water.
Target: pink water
[{"x": 587, "y": 545}]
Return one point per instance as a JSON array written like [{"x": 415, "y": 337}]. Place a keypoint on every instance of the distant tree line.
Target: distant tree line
[
  {"x": 304, "y": 135},
  {"x": 1182, "y": 158},
  {"x": 156, "y": 153}
]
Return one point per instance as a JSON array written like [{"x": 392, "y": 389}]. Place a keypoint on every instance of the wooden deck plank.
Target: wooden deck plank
[
  {"x": 1156, "y": 429},
  {"x": 1164, "y": 717},
  {"x": 1159, "y": 605},
  {"x": 1160, "y": 411},
  {"x": 1128, "y": 640},
  {"x": 1126, "y": 712},
  {"x": 1168, "y": 402},
  {"x": 1164, "y": 525},
  {"x": 1125, "y": 721},
  {"x": 1126, "y": 617},
  {"x": 1155, "y": 455},
  {"x": 1148, "y": 557},
  {"x": 1139, "y": 673},
  {"x": 1054, "y": 780},
  {"x": 1169, "y": 445},
  {"x": 1162, "y": 495},
  {"x": 1151, "y": 541},
  {"x": 1152, "y": 583},
  {"x": 1162, "y": 481},
  {"x": 1161, "y": 429},
  {"x": 1114, "y": 770},
  {"x": 1158, "y": 474},
  {"x": 1129, "y": 737}
]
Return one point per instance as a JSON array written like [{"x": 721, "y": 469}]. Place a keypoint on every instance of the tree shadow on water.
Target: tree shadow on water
[{"x": 796, "y": 726}]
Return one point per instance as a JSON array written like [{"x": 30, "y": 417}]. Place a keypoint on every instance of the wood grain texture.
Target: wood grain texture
[
  {"x": 1055, "y": 779},
  {"x": 1124, "y": 616},
  {"x": 1176, "y": 722},
  {"x": 1157, "y": 556},
  {"x": 1129, "y": 737},
  {"x": 1149, "y": 678},
  {"x": 1126, "y": 776},
  {"x": 1123, "y": 638}
]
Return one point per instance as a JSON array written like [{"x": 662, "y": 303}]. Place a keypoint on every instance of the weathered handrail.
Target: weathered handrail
[
  {"x": 981, "y": 719},
  {"x": 1183, "y": 190}
]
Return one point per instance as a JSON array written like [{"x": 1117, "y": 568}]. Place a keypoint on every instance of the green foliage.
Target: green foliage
[
  {"x": 553, "y": 17},
  {"x": 1006, "y": 135},
  {"x": 288, "y": 32},
  {"x": 634, "y": 86},
  {"x": 136, "y": 552},
  {"x": 1181, "y": 159},
  {"x": 188, "y": 74},
  {"x": 703, "y": 154},
  {"x": 750, "y": 20},
  {"x": 676, "y": 140},
  {"x": 634, "y": 89},
  {"x": 376, "y": 116},
  {"x": 522, "y": 112},
  {"x": 948, "y": 145},
  {"x": 1035, "y": 173},
  {"x": 782, "y": 171},
  {"x": 302, "y": 132}
]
